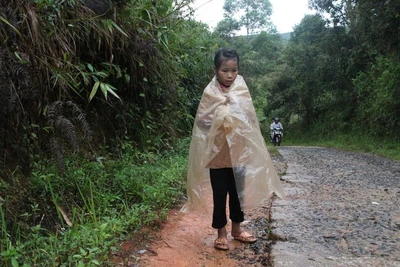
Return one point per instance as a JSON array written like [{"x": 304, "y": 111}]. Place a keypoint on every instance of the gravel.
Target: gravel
[{"x": 342, "y": 209}]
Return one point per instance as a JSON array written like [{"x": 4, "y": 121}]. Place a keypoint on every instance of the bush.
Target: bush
[{"x": 76, "y": 219}]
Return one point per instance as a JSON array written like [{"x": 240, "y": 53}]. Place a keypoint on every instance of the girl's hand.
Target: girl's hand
[{"x": 227, "y": 100}]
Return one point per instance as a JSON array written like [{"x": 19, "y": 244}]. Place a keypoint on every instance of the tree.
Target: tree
[
  {"x": 226, "y": 28},
  {"x": 254, "y": 15},
  {"x": 378, "y": 95},
  {"x": 315, "y": 86},
  {"x": 337, "y": 9},
  {"x": 374, "y": 23}
]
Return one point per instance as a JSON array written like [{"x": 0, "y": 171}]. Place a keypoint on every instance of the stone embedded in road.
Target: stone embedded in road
[{"x": 338, "y": 205}]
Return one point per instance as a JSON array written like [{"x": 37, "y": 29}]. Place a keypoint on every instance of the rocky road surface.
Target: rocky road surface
[{"x": 342, "y": 209}]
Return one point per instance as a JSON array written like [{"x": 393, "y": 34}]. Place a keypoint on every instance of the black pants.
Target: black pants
[{"x": 223, "y": 183}]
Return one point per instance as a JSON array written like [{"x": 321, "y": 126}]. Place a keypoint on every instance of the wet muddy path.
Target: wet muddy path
[
  {"x": 186, "y": 239},
  {"x": 341, "y": 210}
]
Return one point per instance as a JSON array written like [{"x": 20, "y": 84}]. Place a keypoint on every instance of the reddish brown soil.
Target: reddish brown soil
[{"x": 186, "y": 239}]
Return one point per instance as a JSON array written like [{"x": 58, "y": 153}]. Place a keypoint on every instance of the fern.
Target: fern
[
  {"x": 58, "y": 155},
  {"x": 67, "y": 120}
]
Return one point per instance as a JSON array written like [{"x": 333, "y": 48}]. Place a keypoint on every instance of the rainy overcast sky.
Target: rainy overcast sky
[{"x": 286, "y": 13}]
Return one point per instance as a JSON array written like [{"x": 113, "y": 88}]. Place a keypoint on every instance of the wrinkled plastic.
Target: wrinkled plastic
[{"x": 226, "y": 133}]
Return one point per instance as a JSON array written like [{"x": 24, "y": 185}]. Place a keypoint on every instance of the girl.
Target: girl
[{"x": 227, "y": 148}]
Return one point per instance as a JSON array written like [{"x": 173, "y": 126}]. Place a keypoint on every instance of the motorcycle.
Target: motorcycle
[{"x": 277, "y": 136}]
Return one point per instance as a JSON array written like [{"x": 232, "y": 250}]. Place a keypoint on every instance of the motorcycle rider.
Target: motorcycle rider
[{"x": 275, "y": 124}]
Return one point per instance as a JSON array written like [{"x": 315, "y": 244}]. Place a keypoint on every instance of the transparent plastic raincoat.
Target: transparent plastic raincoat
[{"x": 227, "y": 134}]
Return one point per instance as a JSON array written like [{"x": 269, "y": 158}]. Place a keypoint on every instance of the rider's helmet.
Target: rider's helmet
[{"x": 276, "y": 120}]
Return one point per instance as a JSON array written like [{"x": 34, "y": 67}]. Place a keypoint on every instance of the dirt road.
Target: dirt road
[{"x": 341, "y": 210}]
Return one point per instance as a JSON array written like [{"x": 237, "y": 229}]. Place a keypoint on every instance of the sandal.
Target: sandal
[
  {"x": 245, "y": 237},
  {"x": 221, "y": 244}
]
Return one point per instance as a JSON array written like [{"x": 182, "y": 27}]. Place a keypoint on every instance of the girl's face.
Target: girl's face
[{"x": 227, "y": 72}]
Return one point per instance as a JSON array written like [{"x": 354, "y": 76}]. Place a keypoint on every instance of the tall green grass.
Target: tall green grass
[
  {"x": 357, "y": 142},
  {"x": 77, "y": 219}
]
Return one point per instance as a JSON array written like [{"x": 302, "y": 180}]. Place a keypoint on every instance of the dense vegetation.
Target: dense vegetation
[{"x": 97, "y": 101}]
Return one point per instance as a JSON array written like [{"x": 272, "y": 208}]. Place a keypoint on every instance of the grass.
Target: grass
[
  {"x": 387, "y": 148},
  {"x": 76, "y": 219}
]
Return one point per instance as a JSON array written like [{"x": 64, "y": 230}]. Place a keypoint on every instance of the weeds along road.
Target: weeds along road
[{"x": 342, "y": 209}]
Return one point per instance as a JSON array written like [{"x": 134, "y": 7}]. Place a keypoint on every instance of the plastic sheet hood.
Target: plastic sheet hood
[{"x": 227, "y": 134}]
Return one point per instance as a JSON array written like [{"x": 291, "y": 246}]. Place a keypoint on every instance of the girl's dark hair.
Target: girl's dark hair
[{"x": 225, "y": 54}]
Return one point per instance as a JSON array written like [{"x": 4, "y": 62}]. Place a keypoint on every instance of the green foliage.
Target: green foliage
[
  {"x": 340, "y": 79},
  {"x": 254, "y": 15},
  {"x": 349, "y": 141},
  {"x": 98, "y": 201},
  {"x": 227, "y": 27},
  {"x": 373, "y": 23},
  {"x": 128, "y": 75},
  {"x": 133, "y": 69},
  {"x": 315, "y": 80},
  {"x": 336, "y": 10},
  {"x": 378, "y": 91}
]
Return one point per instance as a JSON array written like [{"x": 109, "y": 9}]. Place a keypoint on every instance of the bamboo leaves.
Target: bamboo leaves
[
  {"x": 94, "y": 90},
  {"x": 105, "y": 89},
  {"x": 110, "y": 25},
  {"x": 99, "y": 78}
]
